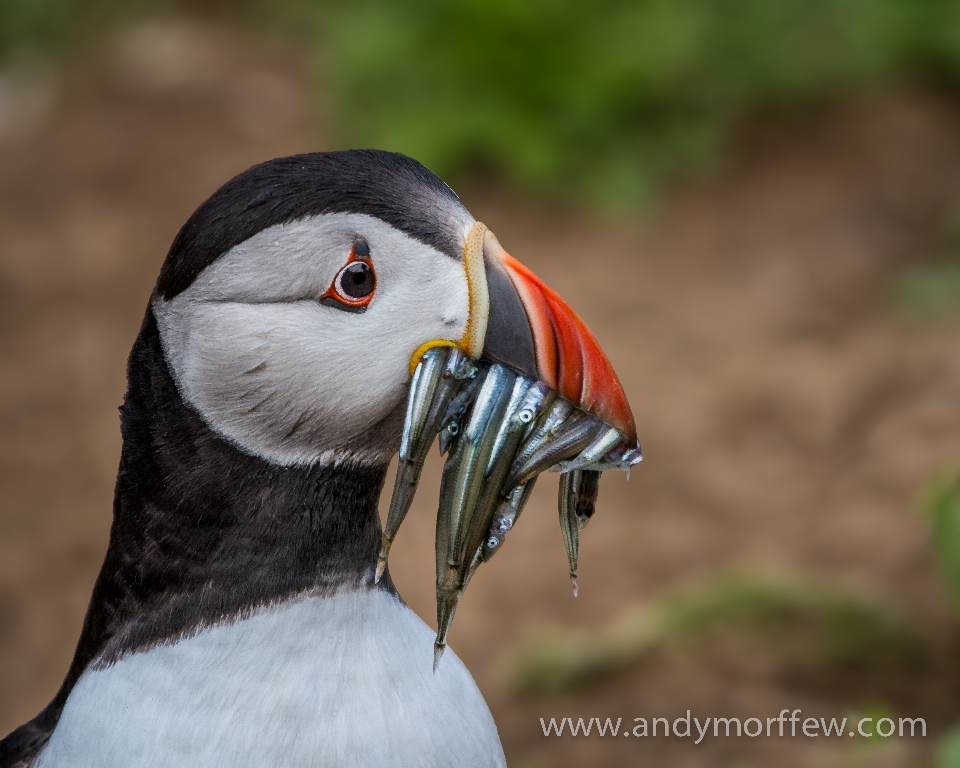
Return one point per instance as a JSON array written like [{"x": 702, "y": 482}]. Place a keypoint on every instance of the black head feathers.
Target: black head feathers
[{"x": 390, "y": 186}]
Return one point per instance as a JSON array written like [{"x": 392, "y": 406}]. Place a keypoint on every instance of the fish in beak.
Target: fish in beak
[{"x": 526, "y": 389}]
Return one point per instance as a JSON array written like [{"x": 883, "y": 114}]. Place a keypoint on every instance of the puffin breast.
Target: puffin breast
[{"x": 342, "y": 680}]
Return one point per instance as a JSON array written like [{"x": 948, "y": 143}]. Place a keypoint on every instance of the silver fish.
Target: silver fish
[
  {"x": 577, "y": 502},
  {"x": 526, "y": 403},
  {"x": 537, "y": 398},
  {"x": 594, "y": 454},
  {"x": 499, "y": 431},
  {"x": 542, "y": 430},
  {"x": 460, "y": 515},
  {"x": 562, "y": 442},
  {"x": 508, "y": 511},
  {"x": 441, "y": 373},
  {"x": 457, "y": 409},
  {"x": 521, "y": 386}
]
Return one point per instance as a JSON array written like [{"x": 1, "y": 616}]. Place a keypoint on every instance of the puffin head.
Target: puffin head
[
  {"x": 300, "y": 304},
  {"x": 297, "y": 301}
]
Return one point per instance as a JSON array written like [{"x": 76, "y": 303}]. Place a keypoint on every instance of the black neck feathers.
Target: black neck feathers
[{"x": 204, "y": 533}]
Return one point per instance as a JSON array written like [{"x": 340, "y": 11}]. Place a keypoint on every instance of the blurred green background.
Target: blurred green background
[{"x": 602, "y": 102}]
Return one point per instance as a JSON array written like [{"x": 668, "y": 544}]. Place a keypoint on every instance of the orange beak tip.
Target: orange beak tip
[{"x": 568, "y": 356}]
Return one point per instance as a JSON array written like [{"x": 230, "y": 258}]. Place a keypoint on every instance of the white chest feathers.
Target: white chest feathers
[{"x": 323, "y": 681}]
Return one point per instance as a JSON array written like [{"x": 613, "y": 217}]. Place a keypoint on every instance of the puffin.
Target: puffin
[{"x": 240, "y": 617}]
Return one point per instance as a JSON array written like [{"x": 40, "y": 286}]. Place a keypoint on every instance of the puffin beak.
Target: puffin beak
[
  {"x": 526, "y": 389},
  {"x": 534, "y": 332},
  {"x": 518, "y": 321}
]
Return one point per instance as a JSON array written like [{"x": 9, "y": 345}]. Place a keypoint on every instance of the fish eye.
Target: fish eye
[{"x": 355, "y": 282}]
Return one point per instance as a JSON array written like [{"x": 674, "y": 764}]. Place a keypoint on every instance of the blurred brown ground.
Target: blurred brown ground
[{"x": 788, "y": 417}]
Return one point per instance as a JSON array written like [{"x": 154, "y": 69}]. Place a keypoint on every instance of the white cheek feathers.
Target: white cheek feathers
[{"x": 295, "y": 382}]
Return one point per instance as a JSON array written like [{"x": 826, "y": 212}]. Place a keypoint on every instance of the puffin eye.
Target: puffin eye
[
  {"x": 353, "y": 287},
  {"x": 355, "y": 282}
]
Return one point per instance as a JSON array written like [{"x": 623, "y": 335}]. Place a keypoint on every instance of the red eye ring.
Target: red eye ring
[{"x": 354, "y": 285}]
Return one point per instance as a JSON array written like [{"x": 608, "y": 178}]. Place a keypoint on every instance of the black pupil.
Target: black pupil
[{"x": 356, "y": 280}]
